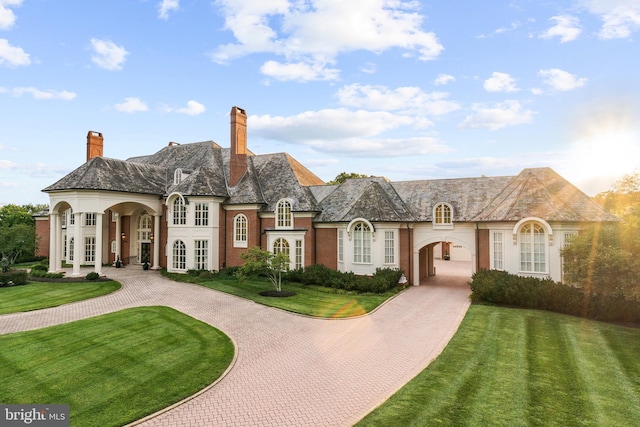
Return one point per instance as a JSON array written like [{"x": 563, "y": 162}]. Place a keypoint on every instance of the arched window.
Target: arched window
[
  {"x": 240, "y": 231},
  {"x": 179, "y": 255},
  {"x": 442, "y": 214},
  {"x": 362, "y": 243},
  {"x": 179, "y": 212},
  {"x": 281, "y": 245},
  {"x": 177, "y": 176},
  {"x": 283, "y": 214},
  {"x": 532, "y": 248},
  {"x": 144, "y": 228}
]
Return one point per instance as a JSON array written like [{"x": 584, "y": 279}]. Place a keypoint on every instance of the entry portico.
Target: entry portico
[{"x": 79, "y": 231}]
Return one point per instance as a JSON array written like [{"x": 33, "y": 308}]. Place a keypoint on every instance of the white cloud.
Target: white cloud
[
  {"x": 317, "y": 31},
  {"x": 300, "y": 71},
  {"x": 166, "y": 6},
  {"x": 193, "y": 108},
  {"x": 500, "y": 82},
  {"x": 12, "y": 56},
  {"x": 131, "y": 105},
  {"x": 369, "y": 68},
  {"x": 508, "y": 113},
  {"x": 444, "y": 79},
  {"x": 408, "y": 98},
  {"x": 561, "y": 80},
  {"x": 619, "y": 18},
  {"x": 108, "y": 55},
  {"x": 7, "y": 164},
  {"x": 40, "y": 94},
  {"x": 7, "y": 17},
  {"x": 566, "y": 27}
]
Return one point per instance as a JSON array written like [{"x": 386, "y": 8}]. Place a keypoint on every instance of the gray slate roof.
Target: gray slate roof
[{"x": 539, "y": 192}]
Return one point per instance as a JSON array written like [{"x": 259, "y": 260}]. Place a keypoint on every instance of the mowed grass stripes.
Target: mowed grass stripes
[
  {"x": 512, "y": 367},
  {"x": 38, "y": 295},
  {"x": 115, "y": 368}
]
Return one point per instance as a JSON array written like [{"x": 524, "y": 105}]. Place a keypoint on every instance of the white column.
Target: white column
[
  {"x": 59, "y": 244},
  {"x": 98, "y": 250},
  {"x": 54, "y": 242},
  {"x": 118, "y": 237},
  {"x": 156, "y": 242},
  {"x": 78, "y": 244}
]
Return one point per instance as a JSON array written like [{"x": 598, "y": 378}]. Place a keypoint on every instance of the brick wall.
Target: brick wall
[{"x": 327, "y": 247}]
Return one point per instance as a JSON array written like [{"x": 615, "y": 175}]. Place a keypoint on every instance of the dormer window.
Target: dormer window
[
  {"x": 177, "y": 176},
  {"x": 443, "y": 215},
  {"x": 284, "y": 217}
]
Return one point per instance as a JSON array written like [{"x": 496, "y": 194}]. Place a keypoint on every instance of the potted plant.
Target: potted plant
[
  {"x": 145, "y": 266},
  {"x": 446, "y": 256},
  {"x": 118, "y": 263}
]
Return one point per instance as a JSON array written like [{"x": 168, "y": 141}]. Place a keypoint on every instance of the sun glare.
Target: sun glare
[{"x": 600, "y": 158}]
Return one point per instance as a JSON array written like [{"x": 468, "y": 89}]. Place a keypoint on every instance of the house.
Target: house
[{"x": 199, "y": 206}]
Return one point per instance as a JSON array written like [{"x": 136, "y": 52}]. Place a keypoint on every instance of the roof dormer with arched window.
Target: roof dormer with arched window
[
  {"x": 284, "y": 215},
  {"x": 443, "y": 216}
]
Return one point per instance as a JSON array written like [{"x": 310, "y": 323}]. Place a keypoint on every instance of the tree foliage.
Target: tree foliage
[
  {"x": 258, "y": 261},
  {"x": 604, "y": 259},
  {"x": 343, "y": 176},
  {"x": 17, "y": 232}
]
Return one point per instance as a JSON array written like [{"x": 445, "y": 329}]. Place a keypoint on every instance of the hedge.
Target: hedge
[{"x": 499, "y": 287}]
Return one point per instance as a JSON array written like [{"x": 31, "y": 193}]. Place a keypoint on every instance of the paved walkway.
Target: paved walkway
[{"x": 290, "y": 370}]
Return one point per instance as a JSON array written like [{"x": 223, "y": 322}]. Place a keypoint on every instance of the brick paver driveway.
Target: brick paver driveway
[{"x": 290, "y": 370}]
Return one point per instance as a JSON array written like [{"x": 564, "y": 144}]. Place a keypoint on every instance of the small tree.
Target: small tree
[
  {"x": 15, "y": 241},
  {"x": 258, "y": 261},
  {"x": 343, "y": 176}
]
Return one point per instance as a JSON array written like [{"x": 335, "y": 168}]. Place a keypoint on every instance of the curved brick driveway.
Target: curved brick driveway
[{"x": 290, "y": 370}]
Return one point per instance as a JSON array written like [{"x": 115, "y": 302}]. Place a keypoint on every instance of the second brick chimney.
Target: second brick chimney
[
  {"x": 94, "y": 145},
  {"x": 238, "y": 158}
]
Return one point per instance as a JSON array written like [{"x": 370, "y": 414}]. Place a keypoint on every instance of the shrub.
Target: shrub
[
  {"x": 40, "y": 267},
  {"x": 92, "y": 276},
  {"x": 45, "y": 275},
  {"x": 499, "y": 287},
  {"x": 13, "y": 278}
]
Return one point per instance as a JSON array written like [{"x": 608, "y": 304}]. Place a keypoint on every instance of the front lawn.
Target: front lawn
[
  {"x": 309, "y": 300},
  {"x": 116, "y": 368},
  {"x": 514, "y": 367},
  {"x": 37, "y": 295}
]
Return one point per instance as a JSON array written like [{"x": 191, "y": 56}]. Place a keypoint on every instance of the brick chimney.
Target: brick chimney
[
  {"x": 94, "y": 145},
  {"x": 238, "y": 159}
]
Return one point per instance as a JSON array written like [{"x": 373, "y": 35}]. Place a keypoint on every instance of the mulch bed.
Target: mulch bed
[{"x": 281, "y": 294}]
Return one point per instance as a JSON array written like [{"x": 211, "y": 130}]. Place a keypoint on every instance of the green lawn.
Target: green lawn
[
  {"x": 513, "y": 367},
  {"x": 37, "y": 295},
  {"x": 310, "y": 300},
  {"x": 115, "y": 368}
]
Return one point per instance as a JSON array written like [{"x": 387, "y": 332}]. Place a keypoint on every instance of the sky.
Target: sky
[{"x": 408, "y": 90}]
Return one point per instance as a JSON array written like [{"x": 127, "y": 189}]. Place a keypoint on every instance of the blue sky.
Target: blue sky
[{"x": 402, "y": 89}]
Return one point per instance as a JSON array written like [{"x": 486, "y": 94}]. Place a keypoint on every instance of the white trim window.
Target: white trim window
[
  {"x": 72, "y": 217},
  {"x": 298, "y": 261},
  {"x": 179, "y": 255},
  {"x": 202, "y": 214},
  {"x": 63, "y": 220},
  {"x": 89, "y": 249},
  {"x": 144, "y": 228},
  {"x": 281, "y": 245},
  {"x": 177, "y": 176},
  {"x": 341, "y": 245},
  {"x": 284, "y": 216},
  {"x": 64, "y": 247},
  {"x": 113, "y": 246},
  {"x": 498, "y": 251},
  {"x": 71, "y": 248},
  {"x": 442, "y": 214},
  {"x": 362, "y": 243},
  {"x": 532, "y": 248},
  {"x": 201, "y": 252},
  {"x": 389, "y": 247},
  {"x": 240, "y": 226},
  {"x": 179, "y": 212},
  {"x": 90, "y": 219}
]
